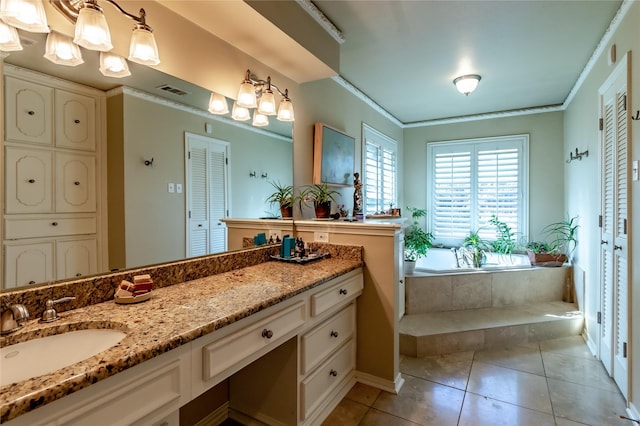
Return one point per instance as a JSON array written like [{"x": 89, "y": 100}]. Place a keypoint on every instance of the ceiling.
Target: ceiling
[{"x": 405, "y": 54}]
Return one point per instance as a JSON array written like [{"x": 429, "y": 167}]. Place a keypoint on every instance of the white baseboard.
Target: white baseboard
[
  {"x": 216, "y": 417},
  {"x": 321, "y": 413},
  {"x": 632, "y": 412},
  {"x": 385, "y": 385}
]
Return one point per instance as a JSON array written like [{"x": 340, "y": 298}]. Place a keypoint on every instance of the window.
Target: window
[
  {"x": 380, "y": 171},
  {"x": 471, "y": 180}
]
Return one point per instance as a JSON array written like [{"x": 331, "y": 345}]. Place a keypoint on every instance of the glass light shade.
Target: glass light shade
[
  {"x": 218, "y": 104},
  {"x": 62, "y": 51},
  {"x": 9, "y": 39},
  {"x": 267, "y": 105},
  {"x": 247, "y": 95},
  {"x": 92, "y": 31},
  {"x": 285, "y": 111},
  {"x": 467, "y": 83},
  {"x": 143, "y": 48},
  {"x": 27, "y": 15},
  {"x": 260, "y": 120},
  {"x": 240, "y": 113},
  {"x": 112, "y": 65}
]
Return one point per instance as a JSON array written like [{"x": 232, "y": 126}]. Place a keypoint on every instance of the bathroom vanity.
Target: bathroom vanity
[{"x": 284, "y": 335}]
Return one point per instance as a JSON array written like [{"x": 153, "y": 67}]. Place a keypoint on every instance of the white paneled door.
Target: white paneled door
[
  {"x": 614, "y": 268},
  {"x": 206, "y": 194}
]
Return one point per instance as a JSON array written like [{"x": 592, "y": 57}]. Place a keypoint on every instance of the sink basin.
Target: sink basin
[{"x": 47, "y": 354}]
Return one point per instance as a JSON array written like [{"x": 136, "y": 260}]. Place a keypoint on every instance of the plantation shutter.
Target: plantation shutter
[
  {"x": 451, "y": 212},
  {"x": 381, "y": 170}
]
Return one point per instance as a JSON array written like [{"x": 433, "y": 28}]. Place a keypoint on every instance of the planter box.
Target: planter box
[{"x": 546, "y": 259}]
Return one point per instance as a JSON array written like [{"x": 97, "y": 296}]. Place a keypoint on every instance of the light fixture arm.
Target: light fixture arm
[
  {"x": 259, "y": 83},
  {"x": 71, "y": 8}
]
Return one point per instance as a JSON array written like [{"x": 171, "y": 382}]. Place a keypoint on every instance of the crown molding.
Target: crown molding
[
  {"x": 186, "y": 108},
  {"x": 486, "y": 116},
  {"x": 366, "y": 99},
  {"x": 322, "y": 19}
]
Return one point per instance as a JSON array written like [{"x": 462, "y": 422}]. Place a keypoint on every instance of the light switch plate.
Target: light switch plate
[
  {"x": 321, "y": 237},
  {"x": 634, "y": 170},
  {"x": 170, "y": 187},
  {"x": 179, "y": 188}
]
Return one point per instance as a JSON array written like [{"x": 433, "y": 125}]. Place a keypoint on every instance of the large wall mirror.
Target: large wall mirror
[{"x": 148, "y": 222}]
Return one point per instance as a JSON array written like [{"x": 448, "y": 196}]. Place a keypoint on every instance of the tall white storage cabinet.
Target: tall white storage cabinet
[{"x": 52, "y": 149}]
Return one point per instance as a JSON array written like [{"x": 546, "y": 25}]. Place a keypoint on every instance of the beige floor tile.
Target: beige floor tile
[
  {"x": 347, "y": 413},
  {"x": 573, "y": 346},
  {"x": 564, "y": 422},
  {"x": 451, "y": 370},
  {"x": 364, "y": 394},
  {"x": 482, "y": 411},
  {"x": 586, "y": 405},
  {"x": 423, "y": 402},
  {"x": 379, "y": 418},
  {"x": 588, "y": 372},
  {"x": 516, "y": 357},
  {"x": 512, "y": 386}
]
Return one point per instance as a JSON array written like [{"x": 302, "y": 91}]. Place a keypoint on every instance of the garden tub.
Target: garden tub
[{"x": 443, "y": 261}]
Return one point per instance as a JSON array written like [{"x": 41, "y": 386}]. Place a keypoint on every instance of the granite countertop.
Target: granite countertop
[{"x": 175, "y": 315}]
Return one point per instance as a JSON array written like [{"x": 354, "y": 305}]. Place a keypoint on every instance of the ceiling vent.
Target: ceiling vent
[{"x": 173, "y": 90}]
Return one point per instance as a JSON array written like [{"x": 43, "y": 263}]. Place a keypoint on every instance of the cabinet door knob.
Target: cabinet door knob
[
  {"x": 78, "y": 274},
  {"x": 343, "y": 291},
  {"x": 76, "y": 183},
  {"x": 32, "y": 282},
  {"x": 54, "y": 223},
  {"x": 31, "y": 181},
  {"x": 333, "y": 373},
  {"x": 31, "y": 112},
  {"x": 76, "y": 121},
  {"x": 267, "y": 334},
  {"x": 334, "y": 333}
]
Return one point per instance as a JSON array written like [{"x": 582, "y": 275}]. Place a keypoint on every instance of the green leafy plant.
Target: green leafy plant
[
  {"x": 475, "y": 249},
  {"x": 505, "y": 242},
  {"x": 417, "y": 241},
  {"x": 538, "y": 247},
  {"x": 562, "y": 236},
  {"x": 318, "y": 193},
  {"x": 283, "y": 195}
]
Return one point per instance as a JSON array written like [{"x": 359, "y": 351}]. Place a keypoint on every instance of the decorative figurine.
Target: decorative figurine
[{"x": 357, "y": 196}]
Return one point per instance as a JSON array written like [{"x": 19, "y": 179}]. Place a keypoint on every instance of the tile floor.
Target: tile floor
[{"x": 554, "y": 382}]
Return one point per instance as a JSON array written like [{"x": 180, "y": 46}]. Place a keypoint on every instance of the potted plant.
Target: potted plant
[
  {"x": 321, "y": 196},
  {"x": 417, "y": 241},
  {"x": 283, "y": 196},
  {"x": 558, "y": 246},
  {"x": 474, "y": 253}
]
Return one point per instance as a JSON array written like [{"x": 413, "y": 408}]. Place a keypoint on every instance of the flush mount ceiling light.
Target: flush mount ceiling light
[
  {"x": 467, "y": 83},
  {"x": 259, "y": 94}
]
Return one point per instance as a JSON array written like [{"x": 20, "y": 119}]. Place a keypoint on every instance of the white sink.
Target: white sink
[{"x": 47, "y": 354}]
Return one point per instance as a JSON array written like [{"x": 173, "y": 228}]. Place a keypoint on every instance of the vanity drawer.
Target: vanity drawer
[
  {"x": 49, "y": 227},
  {"x": 224, "y": 353},
  {"x": 322, "y": 382},
  {"x": 324, "y": 339},
  {"x": 339, "y": 293}
]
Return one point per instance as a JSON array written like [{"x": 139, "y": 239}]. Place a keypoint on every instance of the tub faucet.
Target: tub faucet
[
  {"x": 12, "y": 318},
  {"x": 455, "y": 254}
]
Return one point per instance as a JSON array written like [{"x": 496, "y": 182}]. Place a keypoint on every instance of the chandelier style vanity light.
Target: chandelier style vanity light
[
  {"x": 91, "y": 32},
  {"x": 467, "y": 83},
  {"x": 258, "y": 95}
]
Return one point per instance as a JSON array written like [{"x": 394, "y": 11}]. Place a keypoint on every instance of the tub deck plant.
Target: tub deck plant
[
  {"x": 417, "y": 241},
  {"x": 560, "y": 242}
]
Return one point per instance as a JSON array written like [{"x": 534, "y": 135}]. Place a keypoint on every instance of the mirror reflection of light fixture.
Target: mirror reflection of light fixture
[
  {"x": 61, "y": 50},
  {"x": 27, "y": 15},
  {"x": 112, "y": 65},
  {"x": 240, "y": 113},
  {"x": 218, "y": 104},
  {"x": 9, "y": 39},
  {"x": 467, "y": 83},
  {"x": 251, "y": 90},
  {"x": 92, "y": 31},
  {"x": 259, "y": 119}
]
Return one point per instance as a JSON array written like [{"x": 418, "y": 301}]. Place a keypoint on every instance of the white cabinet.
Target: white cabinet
[
  {"x": 28, "y": 112},
  {"x": 75, "y": 120},
  {"x": 29, "y": 180},
  {"x": 51, "y": 179}
]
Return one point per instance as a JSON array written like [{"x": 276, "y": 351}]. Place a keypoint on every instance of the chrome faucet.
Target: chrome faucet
[
  {"x": 12, "y": 318},
  {"x": 50, "y": 314},
  {"x": 455, "y": 254}
]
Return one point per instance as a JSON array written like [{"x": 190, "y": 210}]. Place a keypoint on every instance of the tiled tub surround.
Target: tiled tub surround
[
  {"x": 448, "y": 313},
  {"x": 180, "y": 311}
]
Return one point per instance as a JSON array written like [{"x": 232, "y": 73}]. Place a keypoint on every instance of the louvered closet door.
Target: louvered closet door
[
  {"x": 614, "y": 265},
  {"x": 206, "y": 194}
]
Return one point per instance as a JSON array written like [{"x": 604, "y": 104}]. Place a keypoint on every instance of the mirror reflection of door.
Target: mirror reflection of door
[{"x": 206, "y": 194}]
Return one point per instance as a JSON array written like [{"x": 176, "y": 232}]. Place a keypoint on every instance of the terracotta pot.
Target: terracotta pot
[
  {"x": 546, "y": 259},
  {"x": 323, "y": 210},
  {"x": 286, "y": 211}
]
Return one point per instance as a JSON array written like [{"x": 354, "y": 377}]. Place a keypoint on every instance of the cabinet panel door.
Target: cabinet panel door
[
  {"x": 31, "y": 117},
  {"x": 75, "y": 121},
  {"x": 28, "y": 264},
  {"x": 28, "y": 181},
  {"x": 76, "y": 258},
  {"x": 75, "y": 183}
]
